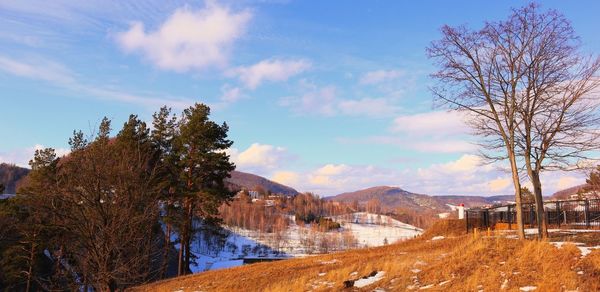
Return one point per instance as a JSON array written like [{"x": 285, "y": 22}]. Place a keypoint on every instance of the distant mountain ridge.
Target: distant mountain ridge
[
  {"x": 393, "y": 197},
  {"x": 239, "y": 180}
]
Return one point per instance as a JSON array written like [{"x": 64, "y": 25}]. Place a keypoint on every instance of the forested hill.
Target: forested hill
[
  {"x": 393, "y": 197},
  {"x": 10, "y": 175},
  {"x": 250, "y": 181}
]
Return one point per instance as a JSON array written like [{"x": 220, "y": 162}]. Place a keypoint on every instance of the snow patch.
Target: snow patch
[
  {"x": 585, "y": 250},
  {"x": 528, "y": 288},
  {"x": 438, "y": 237},
  {"x": 370, "y": 280}
]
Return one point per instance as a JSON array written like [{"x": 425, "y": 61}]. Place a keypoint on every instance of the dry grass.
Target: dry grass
[
  {"x": 448, "y": 227},
  {"x": 462, "y": 263}
]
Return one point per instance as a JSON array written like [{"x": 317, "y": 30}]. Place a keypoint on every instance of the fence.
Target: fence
[{"x": 560, "y": 214}]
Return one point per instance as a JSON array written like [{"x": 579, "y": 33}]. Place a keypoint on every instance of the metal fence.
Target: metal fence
[{"x": 575, "y": 214}]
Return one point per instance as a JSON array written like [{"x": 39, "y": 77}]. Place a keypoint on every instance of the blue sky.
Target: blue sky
[{"x": 325, "y": 96}]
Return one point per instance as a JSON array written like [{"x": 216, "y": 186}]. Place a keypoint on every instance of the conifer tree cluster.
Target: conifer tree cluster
[{"x": 108, "y": 215}]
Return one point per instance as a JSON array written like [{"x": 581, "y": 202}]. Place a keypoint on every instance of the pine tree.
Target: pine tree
[{"x": 203, "y": 166}]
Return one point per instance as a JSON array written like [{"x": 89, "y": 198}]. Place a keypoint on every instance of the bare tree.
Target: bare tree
[
  {"x": 557, "y": 110},
  {"x": 480, "y": 73},
  {"x": 529, "y": 90}
]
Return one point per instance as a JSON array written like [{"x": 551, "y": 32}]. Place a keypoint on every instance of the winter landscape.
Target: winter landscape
[{"x": 286, "y": 145}]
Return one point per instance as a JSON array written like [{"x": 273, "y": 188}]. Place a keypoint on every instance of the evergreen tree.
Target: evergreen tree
[{"x": 203, "y": 166}]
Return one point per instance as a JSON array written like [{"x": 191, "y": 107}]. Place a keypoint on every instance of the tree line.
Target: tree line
[{"x": 107, "y": 216}]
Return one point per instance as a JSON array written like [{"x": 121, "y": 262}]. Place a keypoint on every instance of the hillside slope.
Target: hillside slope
[
  {"x": 10, "y": 175},
  {"x": 250, "y": 181},
  {"x": 566, "y": 193},
  {"x": 459, "y": 263},
  {"x": 390, "y": 197},
  {"x": 393, "y": 197}
]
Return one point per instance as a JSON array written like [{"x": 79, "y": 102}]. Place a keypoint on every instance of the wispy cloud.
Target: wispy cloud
[
  {"x": 39, "y": 69},
  {"x": 429, "y": 132},
  {"x": 328, "y": 101},
  {"x": 60, "y": 76},
  {"x": 379, "y": 76},
  {"x": 270, "y": 70}
]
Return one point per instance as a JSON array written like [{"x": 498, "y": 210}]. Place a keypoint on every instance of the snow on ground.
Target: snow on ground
[
  {"x": 376, "y": 230},
  {"x": 437, "y": 237},
  {"x": 6, "y": 196},
  {"x": 226, "y": 264},
  {"x": 370, "y": 280},
  {"x": 444, "y": 215},
  {"x": 585, "y": 250},
  {"x": 368, "y": 229},
  {"x": 528, "y": 288}
]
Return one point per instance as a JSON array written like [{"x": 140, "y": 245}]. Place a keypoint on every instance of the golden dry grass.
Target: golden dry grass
[{"x": 461, "y": 263}]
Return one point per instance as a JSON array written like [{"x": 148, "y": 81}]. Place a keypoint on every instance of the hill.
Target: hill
[
  {"x": 394, "y": 197},
  {"x": 10, "y": 175},
  {"x": 566, "y": 193},
  {"x": 250, "y": 181},
  {"x": 390, "y": 197},
  {"x": 440, "y": 263}
]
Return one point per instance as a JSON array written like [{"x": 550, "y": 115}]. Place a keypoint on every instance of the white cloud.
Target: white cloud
[
  {"x": 436, "y": 131},
  {"x": 332, "y": 169},
  {"x": 259, "y": 158},
  {"x": 21, "y": 156},
  {"x": 188, "y": 39},
  {"x": 499, "y": 184},
  {"x": 568, "y": 181},
  {"x": 269, "y": 70},
  {"x": 288, "y": 178},
  {"x": 379, "y": 76}
]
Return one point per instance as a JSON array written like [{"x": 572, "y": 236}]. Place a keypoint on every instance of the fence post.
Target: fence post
[
  {"x": 531, "y": 216},
  {"x": 467, "y": 220},
  {"x": 587, "y": 214},
  {"x": 509, "y": 218},
  {"x": 558, "y": 213}
]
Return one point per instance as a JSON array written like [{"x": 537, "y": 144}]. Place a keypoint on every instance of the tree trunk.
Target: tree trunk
[
  {"x": 190, "y": 219},
  {"x": 30, "y": 270},
  {"x": 517, "y": 186},
  {"x": 539, "y": 204},
  {"x": 182, "y": 242},
  {"x": 166, "y": 249}
]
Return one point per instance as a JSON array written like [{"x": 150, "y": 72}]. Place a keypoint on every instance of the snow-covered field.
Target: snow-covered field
[{"x": 358, "y": 230}]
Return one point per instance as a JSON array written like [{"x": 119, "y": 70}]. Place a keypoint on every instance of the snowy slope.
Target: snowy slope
[
  {"x": 358, "y": 230},
  {"x": 376, "y": 230}
]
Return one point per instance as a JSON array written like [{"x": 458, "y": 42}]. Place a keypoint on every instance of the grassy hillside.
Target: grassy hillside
[{"x": 452, "y": 263}]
